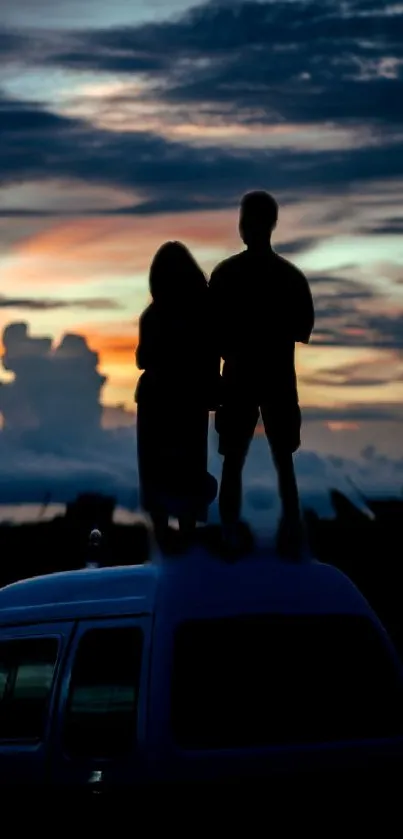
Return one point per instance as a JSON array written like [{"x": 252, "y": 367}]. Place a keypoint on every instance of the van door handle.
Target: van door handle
[{"x": 96, "y": 781}]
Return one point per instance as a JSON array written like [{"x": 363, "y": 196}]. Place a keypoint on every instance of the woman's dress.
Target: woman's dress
[{"x": 173, "y": 396}]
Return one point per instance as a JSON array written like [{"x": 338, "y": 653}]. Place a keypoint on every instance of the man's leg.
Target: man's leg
[
  {"x": 230, "y": 498},
  {"x": 283, "y": 437},
  {"x": 282, "y": 424},
  {"x": 290, "y": 536},
  {"x": 287, "y": 484},
  {"x": 237, "y": 426}
]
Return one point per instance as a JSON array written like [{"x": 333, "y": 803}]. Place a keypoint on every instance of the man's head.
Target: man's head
[{"x": 258, "y": 218}]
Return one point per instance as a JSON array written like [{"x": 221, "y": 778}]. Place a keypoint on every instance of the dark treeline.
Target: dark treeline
[
  {"x": 369, "y": 551},
  {"x": 62, "y": 544}
]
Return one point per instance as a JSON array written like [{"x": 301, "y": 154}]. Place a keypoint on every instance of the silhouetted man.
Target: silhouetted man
[{"x": 261, "y": 306}]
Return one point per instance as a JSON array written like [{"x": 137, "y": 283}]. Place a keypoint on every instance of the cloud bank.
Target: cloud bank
[
  {"x": 292, "y": 66},
  {"x": 53, "y": 442}
]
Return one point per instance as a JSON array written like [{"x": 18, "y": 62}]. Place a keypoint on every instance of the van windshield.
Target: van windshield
[{"x": 255, "y": 681}]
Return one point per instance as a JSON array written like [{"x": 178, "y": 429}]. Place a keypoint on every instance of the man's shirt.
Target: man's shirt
[{"x": 261, "y": 306}]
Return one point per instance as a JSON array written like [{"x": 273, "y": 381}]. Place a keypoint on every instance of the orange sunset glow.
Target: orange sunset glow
[{"x": 100, "y": 266}]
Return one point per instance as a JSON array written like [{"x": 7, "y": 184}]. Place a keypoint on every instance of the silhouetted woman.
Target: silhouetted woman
[{"x": 175, "y": 392}]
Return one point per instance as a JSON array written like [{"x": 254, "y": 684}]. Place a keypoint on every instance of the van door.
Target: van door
[
  {"x": 99, "y": 741},
  {"x": 30, "y": 663}
]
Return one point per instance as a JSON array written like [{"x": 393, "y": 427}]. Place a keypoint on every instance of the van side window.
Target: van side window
[
  {"x": 27, "y": 668},
  {"x": 255, "y": 681},
  {"x": 101, "y": 714}
]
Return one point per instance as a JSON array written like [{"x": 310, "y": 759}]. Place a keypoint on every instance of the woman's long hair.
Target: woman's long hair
[{"x": 175, "y": 277}]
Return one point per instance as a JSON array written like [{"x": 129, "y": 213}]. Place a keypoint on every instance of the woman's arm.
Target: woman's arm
[
  {"x": 213, "y": 353},
  {"x": 145, "y": 351}
]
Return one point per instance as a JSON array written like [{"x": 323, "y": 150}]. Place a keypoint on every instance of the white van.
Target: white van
[{"x": 191, "y": 669}]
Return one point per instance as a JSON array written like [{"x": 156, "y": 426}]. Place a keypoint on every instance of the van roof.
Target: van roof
[
  {"x": 183, "y": 587},
  {"x": 78, "y": 594}
]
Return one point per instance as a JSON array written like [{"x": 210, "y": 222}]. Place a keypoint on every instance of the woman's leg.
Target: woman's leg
[
  {"x": 230, "y": 498},
  {"x": 191, "y": 468},
  {"x": 150, "y": 461}
]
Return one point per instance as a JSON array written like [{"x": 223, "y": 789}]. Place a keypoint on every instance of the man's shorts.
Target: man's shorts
[{"x": 236, "y": 423}]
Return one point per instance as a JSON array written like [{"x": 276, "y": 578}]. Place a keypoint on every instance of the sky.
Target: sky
[{"x": 125, "y": 124}]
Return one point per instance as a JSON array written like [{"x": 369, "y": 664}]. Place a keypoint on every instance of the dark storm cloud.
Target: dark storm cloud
[
  {"x": 246, "y": 61},
  {"x": 390, "y": 227},
  {"x": 36, "y": 144},
  {"x": 365, "y": 381},
  {"x": 361, "y": 412},
  {"x": 18, "y": 117},
  {"x": 47, "y": 304},
  {"x": 347, "y": 325},
  {"x": 297, "y": 246},
  {"x": 386, "y": 330},
  {"x": 333, "y": 293},
  {"x": 10, "y": 45},
  {"x": 92, "y": 53},
  {"x": 353, "y": 375},
  {"x": 334, "y": 288},
  {"x": 249, "y": 61},
  {"x": 302, "y": 61},
  {"x": 349, "y": 313}
]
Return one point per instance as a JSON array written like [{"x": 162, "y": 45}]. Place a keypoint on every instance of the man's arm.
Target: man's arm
[{"x": 305, "y": 312}]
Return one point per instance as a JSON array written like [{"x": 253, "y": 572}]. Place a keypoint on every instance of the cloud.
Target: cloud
[
  {"x": 317, "y": 476},
  {"x": 36, "y": 304},
  {"x": 98, "y": 13},
  {"x": 389, "y": 227},
  {"x": 361, "y": 374},
  {"x": 287, "y": 64},
  {"x": 262, "y": 61},
  {"x": 10, "y": 44},
  {"x": 296, "y": 246},
  {"x": 54, "y": 397},
  {"x": 350, "y": 313},
  {"x": 386, "y": 330},
  {"x": 55, "y": 443},
  {"x": 109, "y": 465},
  {"x": 36, "y": 144},
  {"x": 53, "y": 438},
  {"x": 355, "y": 411},
  {"x": 172, "y": 176}
]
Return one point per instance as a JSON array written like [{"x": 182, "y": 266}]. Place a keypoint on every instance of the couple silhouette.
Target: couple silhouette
[{"x": 225, "y": 346}]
